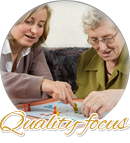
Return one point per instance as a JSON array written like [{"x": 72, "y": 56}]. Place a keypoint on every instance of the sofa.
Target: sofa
[{"x": 62, "y": 63}]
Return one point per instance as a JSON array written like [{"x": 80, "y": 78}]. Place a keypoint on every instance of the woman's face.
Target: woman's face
[
  {"x": 28, "y": 32},
  {"x": 109, "y": 52}
]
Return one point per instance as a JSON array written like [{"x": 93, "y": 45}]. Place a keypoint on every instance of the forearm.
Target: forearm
[{"x": 21, "y": 85}]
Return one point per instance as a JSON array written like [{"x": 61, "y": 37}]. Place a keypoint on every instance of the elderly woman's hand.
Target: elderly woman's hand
[{"x": 101, "y": 101}]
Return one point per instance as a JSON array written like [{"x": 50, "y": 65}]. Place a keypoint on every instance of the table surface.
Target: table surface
[{"x": 42, "y": 102}]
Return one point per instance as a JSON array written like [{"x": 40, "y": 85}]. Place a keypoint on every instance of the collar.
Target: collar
[
  {"x": 6, "y": 49},
  {"x": 97, "y": 62},
  {"x": 123, "y": 63}
]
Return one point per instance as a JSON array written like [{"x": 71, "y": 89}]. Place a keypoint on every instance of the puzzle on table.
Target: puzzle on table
[{"x": 65, "y": 110}]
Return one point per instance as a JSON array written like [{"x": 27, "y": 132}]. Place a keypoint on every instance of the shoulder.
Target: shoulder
[
  {"x": 37, "y": 51},
  {"x": 87, "y": 56}
]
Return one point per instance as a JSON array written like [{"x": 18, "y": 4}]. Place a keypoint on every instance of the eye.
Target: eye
[
  {"x": 108, "y": 39},
  {"x": 27, "y": 21},
  {"x": 40, "y": 26},
  {"x": 94, "y": 40}
]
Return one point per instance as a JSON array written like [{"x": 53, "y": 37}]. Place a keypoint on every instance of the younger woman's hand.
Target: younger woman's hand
[{"x": 58, "y": 90}]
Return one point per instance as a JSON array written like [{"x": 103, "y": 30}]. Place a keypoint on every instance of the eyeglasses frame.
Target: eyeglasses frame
[{"x": 113, "y": 37}]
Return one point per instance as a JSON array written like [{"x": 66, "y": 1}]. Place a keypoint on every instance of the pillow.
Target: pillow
[{"x": 62, "y": 63}]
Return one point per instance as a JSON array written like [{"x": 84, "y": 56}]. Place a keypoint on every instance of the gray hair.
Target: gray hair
[{"x": 92, "y": 18}]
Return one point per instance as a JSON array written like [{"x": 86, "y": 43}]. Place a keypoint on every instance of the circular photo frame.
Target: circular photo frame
[{"x": 66, "y": 51}]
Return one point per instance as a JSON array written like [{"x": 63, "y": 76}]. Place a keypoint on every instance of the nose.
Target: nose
[
  {"x": 34, "y": 29},
  {"x": 102, "y": 46}
]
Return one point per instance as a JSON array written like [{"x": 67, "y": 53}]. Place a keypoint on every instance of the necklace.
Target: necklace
[{"x": 108, "y": 72}]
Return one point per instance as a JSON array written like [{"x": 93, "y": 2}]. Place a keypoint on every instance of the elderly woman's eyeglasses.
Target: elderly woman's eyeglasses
[{"x": 108, "y": 40}]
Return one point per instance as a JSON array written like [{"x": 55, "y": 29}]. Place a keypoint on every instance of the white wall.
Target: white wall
[{"x": 66, "y": 28}]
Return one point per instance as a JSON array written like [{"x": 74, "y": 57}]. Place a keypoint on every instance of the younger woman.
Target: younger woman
[{"x": 25, "y": 74}]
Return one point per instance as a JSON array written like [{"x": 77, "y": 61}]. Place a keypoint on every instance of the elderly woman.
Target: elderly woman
[
  {"x": 25, "y": 74},
  {"x": 102, "y": 71}
]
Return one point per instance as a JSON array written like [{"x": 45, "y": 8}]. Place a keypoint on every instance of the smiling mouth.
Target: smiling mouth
[
  {"x": 106, "y": 52},
  {"x": 31, "y": 37}
]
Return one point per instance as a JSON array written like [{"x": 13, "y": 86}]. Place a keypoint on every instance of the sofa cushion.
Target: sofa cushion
[{"x": 62, "y": 63}]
